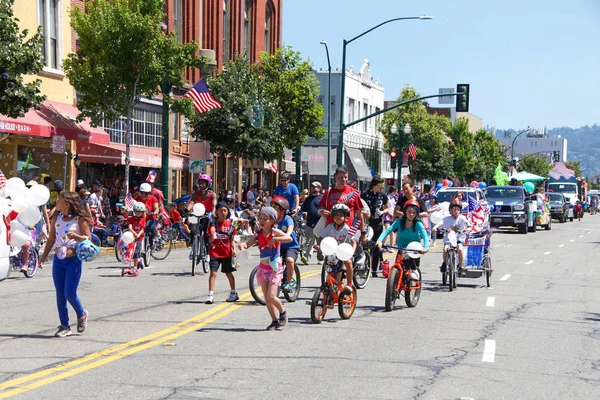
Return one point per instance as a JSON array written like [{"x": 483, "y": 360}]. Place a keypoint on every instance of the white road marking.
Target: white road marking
[
  {"x": 546, "y": 253},
  {"x": 508, "y": 245},
  {"x": 572, "y": 240},
  {"x": 490, "y": 302},
  {"x": 505, "y": 277},
  {"x": 529, "y": 262},
  {"x": 588, "y": 232},
  {"x": 489, "y": 351},
  {"x": 580, "y": 236},
  {"x": 499, "y": 245},
  {"x": 561, "y": 245}
]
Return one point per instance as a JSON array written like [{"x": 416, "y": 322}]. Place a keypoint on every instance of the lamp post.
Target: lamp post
[
  {"x": 328, "y": 114},
  {"x": 340, "y": 149},
  {"x": 165, "y": 87},
  {"x": 406, "y": 130},
  {"x": 512, "y": 146}
]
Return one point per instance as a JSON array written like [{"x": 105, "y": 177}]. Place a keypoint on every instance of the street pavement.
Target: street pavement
[{"x": 534, "y": 334}]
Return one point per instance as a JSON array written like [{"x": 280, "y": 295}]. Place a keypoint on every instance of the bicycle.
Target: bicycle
[
  {"x": 199, "y": 245},
  {"x": 452, "y": 266},
  {"x": 16, "y": 259},
  {"x": 401, "y": 279},
  {"x": 332, "y": 292},
  {"x": 303, "y": 241},
  {"x": 163, "y": 243}
]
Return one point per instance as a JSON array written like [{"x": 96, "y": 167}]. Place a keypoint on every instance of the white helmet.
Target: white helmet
[
  {"x": 145, "y": 188},
  {"x": 139, "y": 206}
]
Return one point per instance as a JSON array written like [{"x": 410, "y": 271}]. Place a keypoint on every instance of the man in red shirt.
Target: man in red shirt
[
  {"x": 343, "y": 193},
  {"x": 152, "y": 210}
]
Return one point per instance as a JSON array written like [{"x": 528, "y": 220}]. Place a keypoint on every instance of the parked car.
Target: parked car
[
  {"x": 559, "y": 206},
  {"x": 510, "y": 206},
  {"x": 5, "y": 266}
]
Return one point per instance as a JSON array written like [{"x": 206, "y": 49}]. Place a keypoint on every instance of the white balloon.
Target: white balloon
[
  {"x": 20, "y": 203},
  {"x": 344, "y": 252},
  {"x": 13, "y": 187},
  {"x": 193, "y": 219},
  {"x": 436, "y": 217},
  {"x": 199, "y": 209},
  {"x": 18, "y": 234},
  {"x": 128, "y": 237},
  {"x": 329, "y": 246},
  {"x": 445, "y": 207},
  {"x": 18, "y": 182},
  {"x": 30, "y": 216},
  {"x": 414, "y": 246},
  {"x": 39, "y": 195},
  {"x": 370, "y": 233},
  {"x": 5, "y": 206}
]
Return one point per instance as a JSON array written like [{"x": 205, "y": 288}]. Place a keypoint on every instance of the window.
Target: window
[
  {"x": 268, "y": 37},
  {"x": 350, "y": 110},
  {"x": 365, "y": 113},
  {"x": 226, "y": 23},
  {"x": 146, "y": 128},
  {"x": 248, "y": 26},
  {"x": 49, "y": 20},
  {"x": 175, "y": 125},
  {"x": 178, "y": 19},
  {"x": 185, "y": 130}
]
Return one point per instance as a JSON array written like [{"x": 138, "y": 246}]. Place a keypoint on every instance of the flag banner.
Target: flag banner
[
  {"x": 412, "y": 151},
  {"x": 202, "y": 98}
]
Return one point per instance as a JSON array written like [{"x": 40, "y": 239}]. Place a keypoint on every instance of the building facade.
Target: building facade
[{"x": 535, "y": 142}]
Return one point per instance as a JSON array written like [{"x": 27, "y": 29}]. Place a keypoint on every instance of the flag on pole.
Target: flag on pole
[
  {"x": 151, "y": 178},
  {"x": 412, "y": 151},
  {"x": 475, "y": 213},
  {"x": 129, "y": 202},
  {"x": 273, "y": 168},
  {"x": 2, "y": 179},
  {"x": 202, "y": 97}
]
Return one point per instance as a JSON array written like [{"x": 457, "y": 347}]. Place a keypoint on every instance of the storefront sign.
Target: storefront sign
[
  {"x": 197, "y": 167},
  {"x": 58, "y": 144},
  {"x": 14, "y": 127}
]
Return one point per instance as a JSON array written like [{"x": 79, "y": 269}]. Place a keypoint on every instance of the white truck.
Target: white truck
[{"x": 569, "y": 188}]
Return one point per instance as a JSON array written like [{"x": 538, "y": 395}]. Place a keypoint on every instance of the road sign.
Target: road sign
[
  {"x": 58, "y": 144},
  {"x": 197, "y": 167},
  {"x": 446, "y": 99}
]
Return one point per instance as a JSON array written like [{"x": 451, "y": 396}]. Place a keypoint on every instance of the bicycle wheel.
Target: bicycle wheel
[
  {"x": 194, "y": 253},
  {"x": 412, "y": 296},
  {"x": 293, "y": 295},
  {"x": 118, "y": 248},
  {"x": 146, "y": 256},
  {"x": 255, "y": 288},
  {"x": 318, "y": 306},
  {"x": 391, "y": 293},
  {"x": 163, "y": 247},
  {"x": 487, "y": 264},
  {"x": 450, "y": 268},
  {"x": 323, "y": 273},
  {"x": 347, "y": 304},
  {"x": 362, "y": 273},
  {"x": 202, "y": 255},
  {"x": 32, "y": 264}
]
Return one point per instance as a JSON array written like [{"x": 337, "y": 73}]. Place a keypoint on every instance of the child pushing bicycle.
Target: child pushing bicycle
[{"x": 137, "y": 225}]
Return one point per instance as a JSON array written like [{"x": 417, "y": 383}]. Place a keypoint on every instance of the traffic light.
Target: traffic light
[
  {"x": 393, "y": 159},
  {"x": 556, "y": 156},
  {"x": 390, "y": 181},
  {"x": 293, "y": 155},
  {"x": 462, "y": 100}
]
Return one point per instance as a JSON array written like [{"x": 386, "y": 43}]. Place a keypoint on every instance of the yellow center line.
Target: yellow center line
[{"x": 125, "y": 349}]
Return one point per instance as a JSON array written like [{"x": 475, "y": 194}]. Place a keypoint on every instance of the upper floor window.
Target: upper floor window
[
  {"x": 226, "y": 23},
  {"x": 146, "y": 128},
  {"x": 50, "y": 21},
  {"x": 178, "y": 19},
  {"x": 247, "y": 26},
  {"x": 268, "y": 33}
]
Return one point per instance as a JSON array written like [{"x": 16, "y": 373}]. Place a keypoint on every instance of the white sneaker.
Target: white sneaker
[
  {"x": 210, "y": 298},
  {"x": 233, "y": 296}
]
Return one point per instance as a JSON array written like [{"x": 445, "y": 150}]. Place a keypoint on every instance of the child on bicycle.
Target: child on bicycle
[
  {"x": 137, "y": 225},
  {"x": 289, "y": 251},
  {"x": 342, "y": 233},
  {"x": 458, "y": 223},
  {"x": 270, "y": 269},
  {"x": 183, "y": 229},
  {"x": 220, "y": 237}
]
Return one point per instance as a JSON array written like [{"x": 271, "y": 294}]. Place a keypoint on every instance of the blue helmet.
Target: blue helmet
[{"x": 86, "y": 250}]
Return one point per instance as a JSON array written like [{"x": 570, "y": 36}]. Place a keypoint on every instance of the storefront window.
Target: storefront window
[{"x": 32, "y": 162}]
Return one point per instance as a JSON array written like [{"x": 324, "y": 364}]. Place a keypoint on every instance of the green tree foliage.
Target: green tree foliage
[
  {"x": 18, "y": 56},
  {"x": 123, "y": 55},
  {"x": 286, "y": 89},
  {"x": 575, "y": 166},
  {"x": 434, "y": 158},
  {"x": 535, "y": 164},
  {"x": 463, "y": 150},
  {"x": 488, "y": 152}
]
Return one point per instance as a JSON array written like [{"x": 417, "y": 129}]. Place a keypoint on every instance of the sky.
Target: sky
[{"x": 529, "y": 62}]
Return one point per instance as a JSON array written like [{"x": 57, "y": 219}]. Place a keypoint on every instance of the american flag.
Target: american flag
[
  {"x": 129, "y": 202},
  {"x": 2, "y": 179},
  {"x": 475, "y": 213},
  {"x": 151, "y": 178},
  {"x": 412, "y": 151},
  {"x": 272, "y": 168},
  {"x": 202, "y": 98}
]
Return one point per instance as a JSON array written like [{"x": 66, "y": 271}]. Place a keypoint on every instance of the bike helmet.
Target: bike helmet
[
  {"x": 145, "y": 188},
  {"x": 412, "y": 203},
  {"x": 455, "y": 203},
  {"x": 284, "y": 175},
  {"x": 139, "y": 206},
  {"x": 206, "y": 178},
  {"x": 86, "y": 250},
  {"x": 340, "y": 208},
  {"x": 281, "y": 202}
]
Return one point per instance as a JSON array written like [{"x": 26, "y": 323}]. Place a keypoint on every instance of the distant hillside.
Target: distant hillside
[{"x": 583, "y": 144}]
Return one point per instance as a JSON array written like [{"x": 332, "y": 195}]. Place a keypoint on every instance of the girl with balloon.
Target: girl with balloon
[
  {"x": 69, "y": 227},
  {"x": 137, "y": 226}
]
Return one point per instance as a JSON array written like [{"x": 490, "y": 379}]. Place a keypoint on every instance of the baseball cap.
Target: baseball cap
[
  {"x": 316, "y": 184},
  {"x": 80, "y": 182}
]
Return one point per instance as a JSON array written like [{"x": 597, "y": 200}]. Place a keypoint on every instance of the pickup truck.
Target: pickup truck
[{"x": 510, "y": 206}]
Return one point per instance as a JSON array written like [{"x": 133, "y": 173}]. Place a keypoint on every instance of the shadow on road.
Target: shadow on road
[
  {"x": 231, "y": 329},
  {"x": 172, "y": 274},
  {"x": 371, "y": 308},
  {"x": 24, "y": 336},
  {"x": 590, "y": 317}
]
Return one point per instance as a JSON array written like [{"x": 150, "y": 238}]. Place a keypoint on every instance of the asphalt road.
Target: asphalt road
[{"x": 534, "y": 334}]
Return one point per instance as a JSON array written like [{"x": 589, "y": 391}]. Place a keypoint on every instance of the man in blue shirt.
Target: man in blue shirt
[
  {"x": 310, "y": 211},
  {"x": 289, "y": 191}
]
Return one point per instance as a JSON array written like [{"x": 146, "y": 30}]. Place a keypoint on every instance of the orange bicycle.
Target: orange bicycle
[
  {"x": 403, "y": 278},
  {"x": 332, "y": 292}
]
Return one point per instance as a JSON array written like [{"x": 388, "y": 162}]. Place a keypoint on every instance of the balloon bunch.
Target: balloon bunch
[
  {"x": 330, "y": 247},
  {"x": 447, "y": 183}
]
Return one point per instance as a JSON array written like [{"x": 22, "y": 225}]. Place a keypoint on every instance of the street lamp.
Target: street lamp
[
  {"x": 328, "y": 114},
  {"x": 340, "y": 149},
  {"x": 406, "y": 129},
  {"x": 512, "y": 146}
]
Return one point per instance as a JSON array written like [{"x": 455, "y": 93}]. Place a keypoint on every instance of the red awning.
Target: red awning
[
  {"x": 34, "y": 123},
  {"x": 63, "y": 117},
  {"x": 138, "y": 156}
]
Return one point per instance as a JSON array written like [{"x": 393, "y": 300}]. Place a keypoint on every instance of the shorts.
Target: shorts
[
  {"x": 293, "y": 253},
  {"x": 266, "y": 274},
  {"x": 225, "y": 263}
]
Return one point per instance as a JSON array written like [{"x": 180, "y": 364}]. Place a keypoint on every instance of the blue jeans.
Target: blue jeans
[
  {"x": 66, "y": 275},
  {"x": 150, "y": 225},
  {"x": 177, "y": 225}
]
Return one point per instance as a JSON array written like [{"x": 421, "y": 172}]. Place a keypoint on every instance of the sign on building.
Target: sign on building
[
  {"x": 58, "y": 144},
  {"x": 197, "y": 167}
]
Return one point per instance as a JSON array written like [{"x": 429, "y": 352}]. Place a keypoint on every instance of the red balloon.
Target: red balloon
[
  {"x": 474, "y": 184},
  {"x": 445, "y": 182}
]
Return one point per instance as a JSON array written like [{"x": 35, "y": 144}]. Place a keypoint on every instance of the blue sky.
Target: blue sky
[{"x": 517, "y": 55}]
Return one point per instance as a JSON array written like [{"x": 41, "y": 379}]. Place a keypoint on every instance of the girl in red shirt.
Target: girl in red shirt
[{"x": 220, "y": 237}]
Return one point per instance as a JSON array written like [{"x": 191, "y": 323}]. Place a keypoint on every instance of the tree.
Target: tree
[
  {"x": 488, "y": 152},
  {"x": 123, "y": 55},
  {"x": 574, "y": 165},
  {"x": 18, "y": 56},
  {"x": 463, "y": 151},
  {"x": 282, "y": 87},
  {"x": 535, "y": 164},
  {"x": 434, "y": 157}
]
